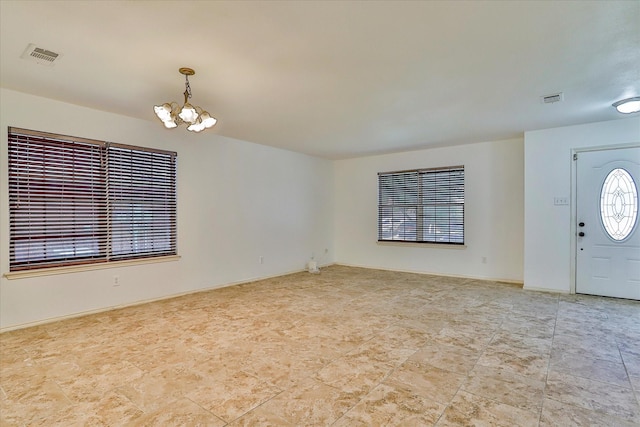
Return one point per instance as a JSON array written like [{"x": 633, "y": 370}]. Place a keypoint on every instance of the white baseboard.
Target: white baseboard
[
  {"x": 459, "y": 276},
  {"x": 548, "y": 290}
]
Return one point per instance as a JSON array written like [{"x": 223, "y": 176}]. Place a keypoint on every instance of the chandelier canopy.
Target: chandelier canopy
[{"x": 172, "y": 115}]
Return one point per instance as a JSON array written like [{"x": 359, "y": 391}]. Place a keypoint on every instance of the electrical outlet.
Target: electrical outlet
[{"x": 116, "y": 280}]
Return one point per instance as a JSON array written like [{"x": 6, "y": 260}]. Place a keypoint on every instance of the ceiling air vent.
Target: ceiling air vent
[
  {"x": 40, "y": 55},
  {"x": 554, "y": 97}
]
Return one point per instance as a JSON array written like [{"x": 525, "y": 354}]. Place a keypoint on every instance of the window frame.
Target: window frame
[
  {"x": 55, "y": 201},
  {"x": 412, "y": 202}
]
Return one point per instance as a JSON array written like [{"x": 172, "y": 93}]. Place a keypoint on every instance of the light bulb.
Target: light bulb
[
  {"x": 170, "y": 124},
  {"x": 163, "y": 111},
  {"x": 207, "y": 120},
  {"x": 196, "y": 127},
  {"x": 188, "y": 113}
]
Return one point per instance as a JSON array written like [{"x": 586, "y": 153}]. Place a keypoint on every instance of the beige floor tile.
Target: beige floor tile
[
  {"x": 161, "y": 386},
  {"x": 582, "y": 326},
  {"x": 467, "y": 409},
  {"x": 598, "y": 346},
  {"x": 23, "y": 339},
  {"x": 425, "y": 380},
  {"x": 592, "y": 395},
  {"x": 228, "y": 394},
  {"x": 390, "y": 406},
  {"x": 465, "y": 335},
  {"x": 593, "y": 369},
  {"x": 631, "y": 363},
  {"x": 14, "y": 372},
  {"x": 447, "y": 357},
  {"x": 403, "y": 337},
  {"x": 182, "y": 412},
  {"x": 509, "y": 340},
  {"x": 283, "y": 371},
  {"x": 311, "y": 403},
  {"x": 32, "y": 401},
  {"x": 505, "y": 387},
  {"x": 354, "y": 373},
  {"x": 518, "y": 354},
  {"x": 555, "y": 414},
  {"x": 260, "y": 417},
  {"x": 95, "y": 381},
  {"x": 530, "y": 326},
  {"x": 111, "y": 409},
  {"x": 519, "y": 362},
  {"x": 383, "y": 352},
  {"x": 629, "y": 340}
]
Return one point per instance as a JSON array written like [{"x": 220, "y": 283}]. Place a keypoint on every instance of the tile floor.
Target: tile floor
[{"x": 347, "y": 347}]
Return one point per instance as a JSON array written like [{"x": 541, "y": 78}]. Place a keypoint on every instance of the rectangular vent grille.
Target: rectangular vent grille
[
  {"x": 40, "y": 55},
  {"x": 555, "y": 97},
  {"x": 45, "y": 55}
]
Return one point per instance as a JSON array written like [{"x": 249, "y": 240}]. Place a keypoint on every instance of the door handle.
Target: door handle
[
  {"x": 581, "y": 234},
  {"x": 581, "y": 224}
]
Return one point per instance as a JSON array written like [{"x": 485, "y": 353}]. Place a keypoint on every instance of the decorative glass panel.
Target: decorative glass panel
[{"x": 619, "y": 204}]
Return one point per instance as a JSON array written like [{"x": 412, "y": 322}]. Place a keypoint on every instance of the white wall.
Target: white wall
[
  {"x": 548, "y": 173},
  {"x": 494, "y": 212},
  {"x": 237, "y": 201}
]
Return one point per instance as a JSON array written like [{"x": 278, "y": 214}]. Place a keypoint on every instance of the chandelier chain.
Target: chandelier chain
[{"x": 187, "y": 91}]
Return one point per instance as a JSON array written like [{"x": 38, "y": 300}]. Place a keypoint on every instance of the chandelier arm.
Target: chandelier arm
[{"x": 175, "y": 109}]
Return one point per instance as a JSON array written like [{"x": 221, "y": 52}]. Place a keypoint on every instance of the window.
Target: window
[
  {"x": 76, "y": 201},
  {"x": 619, "y": 204},
  {"x": 425, "y": 205}
]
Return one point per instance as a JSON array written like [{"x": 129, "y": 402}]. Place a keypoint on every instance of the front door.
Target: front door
[{"x": 608, "y": 240}]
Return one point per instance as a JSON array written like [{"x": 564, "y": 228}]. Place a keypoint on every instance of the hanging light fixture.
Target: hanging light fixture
[
  {"x": 171, "y": 114},
  {"x": 628, "y": 106}
]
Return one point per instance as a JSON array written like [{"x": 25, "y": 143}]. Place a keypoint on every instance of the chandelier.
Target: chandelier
[{"x": 172, "y": 115}]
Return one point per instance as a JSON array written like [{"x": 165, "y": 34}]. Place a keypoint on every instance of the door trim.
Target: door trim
[{"x": 574, "y": 201}]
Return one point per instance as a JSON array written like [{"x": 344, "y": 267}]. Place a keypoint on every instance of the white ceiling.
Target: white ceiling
[{"x": 335, "y": 79}]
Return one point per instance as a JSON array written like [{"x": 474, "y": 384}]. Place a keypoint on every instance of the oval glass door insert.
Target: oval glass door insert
[{"x": 619, "y": 204}]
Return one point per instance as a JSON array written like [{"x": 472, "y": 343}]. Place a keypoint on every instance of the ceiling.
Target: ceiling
[{"x": 335, "y": 79}]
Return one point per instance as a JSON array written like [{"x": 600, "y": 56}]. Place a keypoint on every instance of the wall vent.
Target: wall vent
[
  {"x": 554, "y": 97},
  {"x": 40, "y": 55}
]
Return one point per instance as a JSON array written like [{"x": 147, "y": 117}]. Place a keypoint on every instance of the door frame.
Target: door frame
[{"x": 575, "y": 152}]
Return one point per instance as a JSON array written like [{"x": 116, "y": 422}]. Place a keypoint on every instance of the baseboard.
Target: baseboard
[
  {"x": 459, "y": 276},
  {"x": 551, "y": 291}
]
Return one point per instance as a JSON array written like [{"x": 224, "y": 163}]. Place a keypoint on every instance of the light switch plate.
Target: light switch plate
[{"x": 560, "y": 201}]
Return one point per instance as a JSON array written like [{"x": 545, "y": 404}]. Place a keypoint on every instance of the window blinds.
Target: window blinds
[
  {"x": 142, "y": 202},
  {"x": 75, "y": 201},
  {"x": 425, "y": 205}
]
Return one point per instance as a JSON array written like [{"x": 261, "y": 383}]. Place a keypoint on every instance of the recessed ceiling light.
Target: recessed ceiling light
[{"x": 628, "y": 106}]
